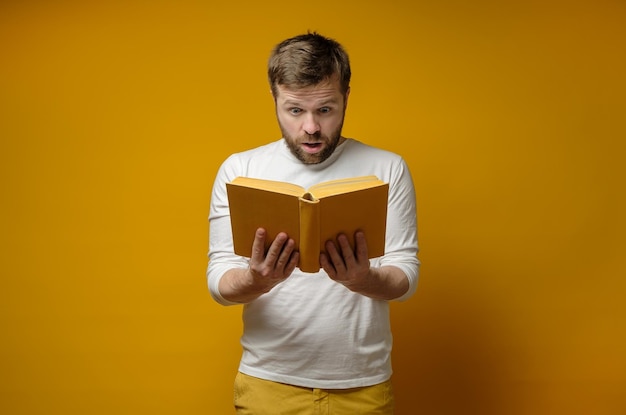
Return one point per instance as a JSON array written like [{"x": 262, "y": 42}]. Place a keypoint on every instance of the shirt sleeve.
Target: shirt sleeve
[
  {"x": 401, "y": 245},
  {"x": 221, "y": 252}
]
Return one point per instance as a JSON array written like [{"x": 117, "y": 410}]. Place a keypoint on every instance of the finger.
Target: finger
[
  {"x": 258, "y": 246},
  {"x": 275, "y": 249},
  {"x": 327, "y": 266},
  {"x": 335, "y": 257},
  {"x": 285, "y": 254},
  {"x": 346, "y": 250},
  {"x": 361, "y": 247},
  {"x": 292, "y": 264}
]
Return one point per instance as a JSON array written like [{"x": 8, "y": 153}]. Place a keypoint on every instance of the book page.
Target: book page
[
  {"x": 340, "y": 186},
  {"x": 269, "y": 185}
]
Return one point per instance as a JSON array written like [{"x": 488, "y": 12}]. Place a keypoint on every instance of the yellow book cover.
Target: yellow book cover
[{"x": 309, "y": 216}]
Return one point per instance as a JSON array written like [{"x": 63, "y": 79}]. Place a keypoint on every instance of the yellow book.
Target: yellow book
[{"x": 309, "y": 216}]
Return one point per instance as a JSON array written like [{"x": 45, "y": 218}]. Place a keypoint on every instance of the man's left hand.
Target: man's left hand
[{"x": 348, "y": 267}]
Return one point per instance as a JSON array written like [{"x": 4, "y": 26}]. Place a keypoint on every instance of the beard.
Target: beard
[{"x": 330, "y": 143}]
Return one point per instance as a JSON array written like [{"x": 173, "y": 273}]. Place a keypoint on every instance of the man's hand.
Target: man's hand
[
  {"x": 352, "y": 269},
  {"x": 268, "y": 270},
  {"x": 265, "y": 271}
]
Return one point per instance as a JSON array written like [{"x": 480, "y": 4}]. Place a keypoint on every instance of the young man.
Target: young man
[{"x": 314, "y": 342}]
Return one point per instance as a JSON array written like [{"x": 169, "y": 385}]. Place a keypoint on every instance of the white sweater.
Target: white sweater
[{"x": 310, "y": 330}]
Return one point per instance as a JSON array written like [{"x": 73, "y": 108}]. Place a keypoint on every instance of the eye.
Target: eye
[
  {"x": 324, "y": 110},
  {"x": 295, "y": 111}
]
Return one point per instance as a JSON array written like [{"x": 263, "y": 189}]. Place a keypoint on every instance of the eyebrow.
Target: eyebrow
[{"x": 296, "y": 103}]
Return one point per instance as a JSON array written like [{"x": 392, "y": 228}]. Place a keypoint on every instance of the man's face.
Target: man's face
[{"x": 311, "y": 119}]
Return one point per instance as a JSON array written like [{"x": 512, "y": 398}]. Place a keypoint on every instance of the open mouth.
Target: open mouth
[{"x": 312, "y": 147}]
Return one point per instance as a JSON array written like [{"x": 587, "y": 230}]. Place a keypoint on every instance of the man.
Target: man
[{"x": 314, "y": 342}]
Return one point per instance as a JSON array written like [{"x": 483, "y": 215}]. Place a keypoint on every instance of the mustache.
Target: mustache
[{"x": 315, "y": 136}]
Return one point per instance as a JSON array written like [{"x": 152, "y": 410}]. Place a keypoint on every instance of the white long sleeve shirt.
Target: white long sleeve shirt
[{"x": 310, "y": 330}]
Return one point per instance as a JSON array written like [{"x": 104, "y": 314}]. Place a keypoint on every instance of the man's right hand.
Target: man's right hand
[{"x": 265, "y": 271}]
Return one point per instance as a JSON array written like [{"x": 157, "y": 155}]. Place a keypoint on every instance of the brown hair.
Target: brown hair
[{"x": 306, "y": 60}]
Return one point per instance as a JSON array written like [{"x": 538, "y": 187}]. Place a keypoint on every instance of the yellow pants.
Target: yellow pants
[{"x": 255, "y": 396}]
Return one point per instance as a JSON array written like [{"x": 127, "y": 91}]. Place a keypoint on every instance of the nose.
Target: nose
[{"x": 311, "y": 124}]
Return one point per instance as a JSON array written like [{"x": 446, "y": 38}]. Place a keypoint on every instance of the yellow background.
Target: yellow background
[{"x": 114, "y": 117}]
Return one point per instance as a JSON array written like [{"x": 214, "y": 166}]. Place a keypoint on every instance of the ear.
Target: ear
[{"x": 345, "y": 98}]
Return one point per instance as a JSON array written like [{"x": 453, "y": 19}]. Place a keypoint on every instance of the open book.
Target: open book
[{"x": 309, "y": 216}]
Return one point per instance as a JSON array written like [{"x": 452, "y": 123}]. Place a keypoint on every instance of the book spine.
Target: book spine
[{"x": 309, "y": 235}]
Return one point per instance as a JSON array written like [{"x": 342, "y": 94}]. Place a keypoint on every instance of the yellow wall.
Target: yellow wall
[{"x": 114, "y": 117}]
